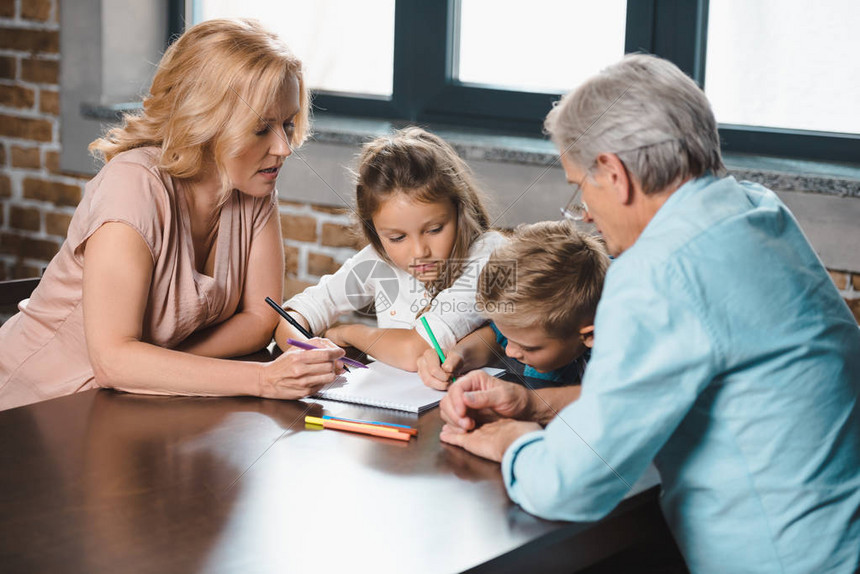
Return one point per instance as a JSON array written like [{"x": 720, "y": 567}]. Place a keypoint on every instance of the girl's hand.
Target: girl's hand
[
  {"x": 337, "y": 335},
  {"x": 298, "y": 373},
  {"x": 439, "y": 376}
]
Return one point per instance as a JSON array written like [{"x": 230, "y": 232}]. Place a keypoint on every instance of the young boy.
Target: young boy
[{"x": 540, "y": 292}]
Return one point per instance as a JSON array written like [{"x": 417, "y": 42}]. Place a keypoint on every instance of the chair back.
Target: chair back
[{"x": 15, "y": 290}]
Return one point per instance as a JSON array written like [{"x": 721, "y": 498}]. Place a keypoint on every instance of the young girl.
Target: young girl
[{"x": 429, "y": 239}]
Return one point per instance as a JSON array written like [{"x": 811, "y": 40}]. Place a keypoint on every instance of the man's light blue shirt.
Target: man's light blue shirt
[{"x": 725, "y": 355}]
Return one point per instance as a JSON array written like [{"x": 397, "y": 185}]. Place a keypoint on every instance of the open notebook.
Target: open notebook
[{"x": 382, "y": 385}]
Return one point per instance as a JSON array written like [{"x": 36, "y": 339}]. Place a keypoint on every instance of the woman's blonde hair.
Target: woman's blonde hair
[
  {"x": 425, "y": 167},
  {"x": 208, "y": 96},
  {"x": 549, "y": 275}
]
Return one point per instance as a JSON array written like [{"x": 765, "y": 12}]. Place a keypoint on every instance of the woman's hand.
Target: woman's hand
[
  {"x": 298, "y": 373},
  {"x": 438, "y": 375},
  {"x": 328, "y": 344}
]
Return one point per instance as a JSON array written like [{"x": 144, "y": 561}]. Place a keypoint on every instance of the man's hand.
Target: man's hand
[
  {"x": 477, "y": 397},
  {"x": 490, "y": 440}
]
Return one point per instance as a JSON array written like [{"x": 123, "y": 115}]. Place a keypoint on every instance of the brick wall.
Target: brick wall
[
  {"x": 317, "y": 239},
  {"x": 37, "y": 199},
  {"x": 849, "y": 286}
]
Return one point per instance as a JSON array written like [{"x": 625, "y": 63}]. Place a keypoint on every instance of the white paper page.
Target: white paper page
[{"x": 382, "y": 385}]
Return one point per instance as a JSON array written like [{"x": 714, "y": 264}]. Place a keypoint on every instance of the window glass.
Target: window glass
[
  {"x": 539, "y": 45},
  {"x": 344, "y": 45},
  {"x": 784, "y": 63}
]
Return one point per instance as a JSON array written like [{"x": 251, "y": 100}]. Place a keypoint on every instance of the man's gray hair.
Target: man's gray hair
[{"x": 647, "y": 112}]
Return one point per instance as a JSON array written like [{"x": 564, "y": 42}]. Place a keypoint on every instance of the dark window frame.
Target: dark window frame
[{"x": 425, "y": 91}]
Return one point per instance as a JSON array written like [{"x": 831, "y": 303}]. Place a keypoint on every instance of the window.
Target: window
[
  {"x": 500, "y": 44},
  {"x": 496, "y": 65},
  {"x": 345, "y": 46},
  {"x": 803, "y": 79}
]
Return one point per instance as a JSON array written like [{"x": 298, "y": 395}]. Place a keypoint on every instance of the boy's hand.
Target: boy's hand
[
  {"x": 435, "y": 375},
  {"x": 477, "y": 397}
]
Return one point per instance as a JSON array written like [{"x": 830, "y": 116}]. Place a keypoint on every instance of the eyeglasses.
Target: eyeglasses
[{"x": 576, "y": 209}]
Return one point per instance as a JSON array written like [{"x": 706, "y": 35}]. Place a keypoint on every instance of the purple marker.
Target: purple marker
[{"x": 308, "y": 347}]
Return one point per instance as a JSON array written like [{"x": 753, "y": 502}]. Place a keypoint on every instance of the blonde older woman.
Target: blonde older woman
[{"x": 176, "y": 242}]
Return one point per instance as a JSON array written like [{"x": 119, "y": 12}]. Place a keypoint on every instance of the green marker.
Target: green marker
[{"x": 435, "y": 342}]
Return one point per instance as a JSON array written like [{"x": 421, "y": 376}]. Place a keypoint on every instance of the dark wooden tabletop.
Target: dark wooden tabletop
[{"x": 107, "y": 482}]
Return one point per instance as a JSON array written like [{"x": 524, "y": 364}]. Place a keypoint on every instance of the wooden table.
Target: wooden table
[{"x": 111, "y": 482}]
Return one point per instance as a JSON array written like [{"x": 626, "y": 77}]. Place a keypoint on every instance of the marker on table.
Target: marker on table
[
  {"x": 434, "y": 341},
  {"x": 309, "y": 347},
  {"x": 402, "y": 428},
  {"x": 374, "y": 430}
]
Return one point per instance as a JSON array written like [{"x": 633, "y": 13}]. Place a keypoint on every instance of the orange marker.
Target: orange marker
[
  {"x": 394, "y": 426},
  {"x": 374, "y": 430}
]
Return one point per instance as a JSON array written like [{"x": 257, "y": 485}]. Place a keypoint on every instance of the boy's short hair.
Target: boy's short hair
[{"x": 549, "y": 275}]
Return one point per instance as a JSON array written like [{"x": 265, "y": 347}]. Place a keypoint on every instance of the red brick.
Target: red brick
[
  {"x": 854, "y": 305},
  {"x": 26, "y": 157},
  {"x": 40, "y": 71},
  {"x": 294, "y": 287},
  {"x": 26, "y": 128},
  {"x": 42, "y": 249},
  {"x": 291, "y": 259},
  {"x": 39, "y": 10},
  {"x": 5, "y": 186},
  {"x": 57, "y": 223},
  {"x": 840, "y": 278},
  {"x": 49, "y": 102},
  {"x": 10, "y": 243},
  {"x": 26, "y": 218},
  {"x": 46, "y": 41},
  {"x": 319, "y": 264},
  {"x": 52, "y": 164},
  {"x": 17, "y": 97},
  {"x": 299, "y": 227},
  {"x": 7, "y": 67},
  {"x": 52, "y": 191},
  {"x": 286, "y": 203},
  {"x": 52, "y": 161},
  {"x": 332, "y": 210},
  {"x": 336, "y": 235},
  {"x": 7, "y": 8}
]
